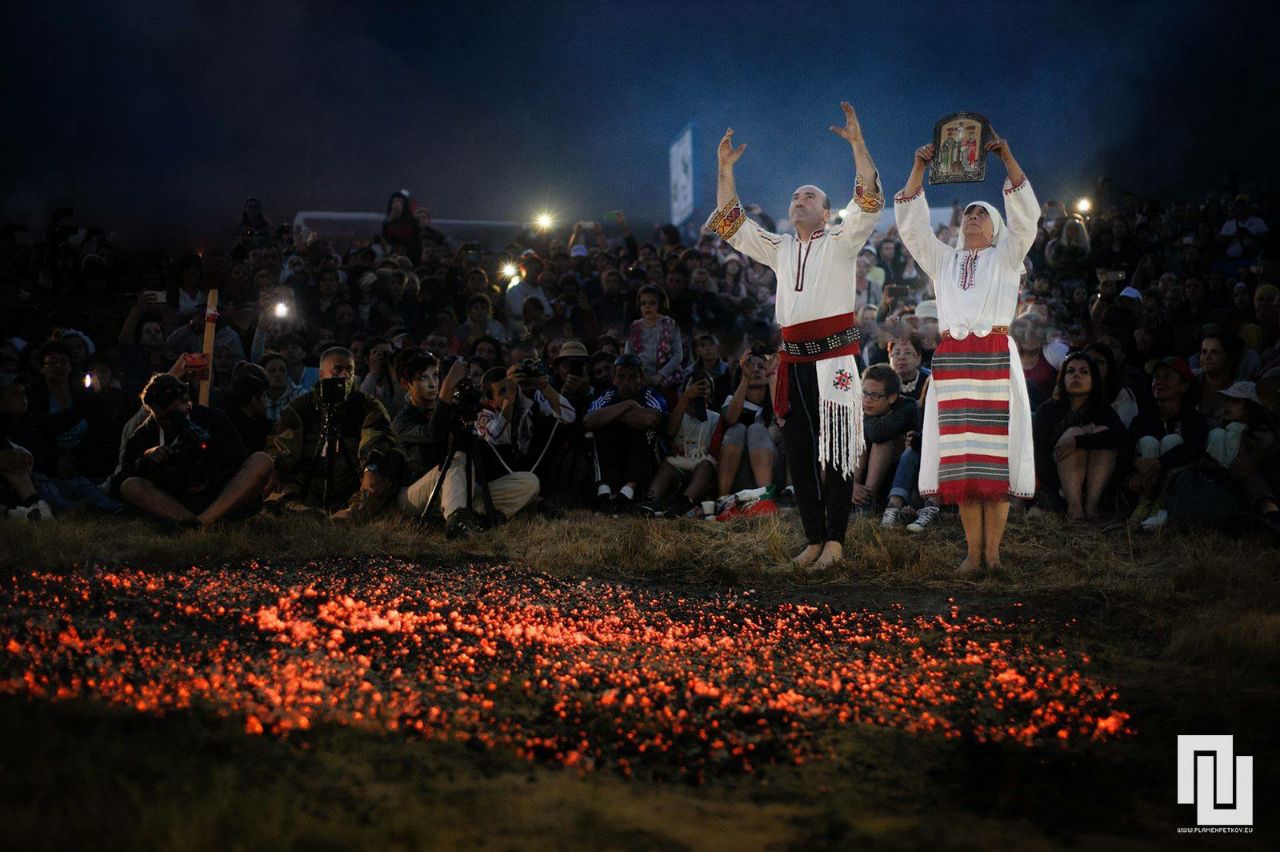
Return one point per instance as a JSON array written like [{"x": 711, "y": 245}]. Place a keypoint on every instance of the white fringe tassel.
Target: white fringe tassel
[{"x": 840, "y": 438}]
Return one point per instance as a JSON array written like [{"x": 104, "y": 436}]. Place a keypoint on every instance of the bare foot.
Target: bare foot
[
  {"x": 832, "y": 552},
  {"x": 969, "y": 568},
  {"x": 993, "y": 561},
  {"x": 807, "y": 556}
]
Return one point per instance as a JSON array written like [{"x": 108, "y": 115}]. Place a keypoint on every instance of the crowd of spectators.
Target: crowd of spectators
[{"x": 595, "y": 369}]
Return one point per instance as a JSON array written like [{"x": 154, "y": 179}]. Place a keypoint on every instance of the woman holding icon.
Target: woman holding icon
[{"x": 976, "y": 445}]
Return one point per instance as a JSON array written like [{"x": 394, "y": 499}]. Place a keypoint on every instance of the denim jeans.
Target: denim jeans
[
  {"x": 906, "y": 476},
  {"x": 63, "y": 495}
]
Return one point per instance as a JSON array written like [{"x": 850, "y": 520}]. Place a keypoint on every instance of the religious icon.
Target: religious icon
[{"x": 959, "y": 142}]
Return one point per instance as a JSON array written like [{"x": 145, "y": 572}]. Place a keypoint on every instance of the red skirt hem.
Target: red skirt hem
[{"x": 985, "y": 490}]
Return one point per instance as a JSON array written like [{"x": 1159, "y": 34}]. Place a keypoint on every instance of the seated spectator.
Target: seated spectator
[
  {"x": 143, "y": 351},
  {"x": 887, "y": 419},
  {"x": 294, "y": 349},
  {"x": 58, "y": 416},
  {"x": 747, "y": 456},
  {"x": 567, "y": 472},
  {"x": 706, "y": 357},
  {"x": 624, "y": 421},
  {"x": 905, "y": 356},
  {"x": 656, "y": 340},
  {"x": 1123, "y": 400},
  {"x": 424, "y": 427},
  {"x": 18, "y": 497},
  {"x": 527, "y": 412},
  {"x": 687, "y": 476},
  {"x": 1248, "y": 447},
  {"x": 379, "y": 378},
  {"x": 1217, "y": 362},
  {"x": 1166, "y": 439},
  {"x": 480, "y": 323},
  {"x": 1029, "y": 335},
  {"x": 280, "y": 388},
  {"x": 246, "y": 405},
  {"x": 365, "y": 467},
  {"x": 186, "y": 464},
  {"x": 1078, "y": 438}
]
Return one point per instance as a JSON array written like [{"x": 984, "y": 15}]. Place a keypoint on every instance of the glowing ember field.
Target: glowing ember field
[{"x": 587, "y": 674}]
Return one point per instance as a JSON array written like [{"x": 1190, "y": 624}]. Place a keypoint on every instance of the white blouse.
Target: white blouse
[{"x": 975, "y": 289}]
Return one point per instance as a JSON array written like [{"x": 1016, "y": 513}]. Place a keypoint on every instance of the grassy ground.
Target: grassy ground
[{"x": 1185, "y": 626}]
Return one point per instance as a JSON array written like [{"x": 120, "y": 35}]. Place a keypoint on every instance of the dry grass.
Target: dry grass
[{"x": 1040, "y": 553}]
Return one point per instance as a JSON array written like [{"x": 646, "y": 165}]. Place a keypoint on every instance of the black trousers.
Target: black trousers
[
  {"x": 625, "y": 456},
  {"x": 824, "y": 497}
]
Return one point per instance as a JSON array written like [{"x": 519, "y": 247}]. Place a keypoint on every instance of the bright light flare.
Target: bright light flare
[
  {"x": 88, "y": 380},
  {"x": 282, "y": 310},
  {"x": 1084, "y": 205},
  {"x": 544, "y": 221},
  {"x": 509, "y": 270}
]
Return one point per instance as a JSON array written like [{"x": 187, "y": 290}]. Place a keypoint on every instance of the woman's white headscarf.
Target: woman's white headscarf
[{"x": 997, "y": 221}]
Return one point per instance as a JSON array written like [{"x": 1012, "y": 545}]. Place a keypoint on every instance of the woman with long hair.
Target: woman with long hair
[{"x": 1078, "y": 437}]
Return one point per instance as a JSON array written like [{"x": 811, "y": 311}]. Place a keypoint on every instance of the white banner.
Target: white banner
[{"x": 682, "y": 177}]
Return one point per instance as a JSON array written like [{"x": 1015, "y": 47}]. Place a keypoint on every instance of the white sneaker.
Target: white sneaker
[
  {"x": 924, "y": 517},
  {"x": 1156, "y": 521},
  {"x": 890, "y": 516},
  {"x": 39, "y": 512}
]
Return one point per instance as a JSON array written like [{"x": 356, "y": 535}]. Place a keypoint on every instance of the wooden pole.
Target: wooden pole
[{"x": 210, "y": 332}]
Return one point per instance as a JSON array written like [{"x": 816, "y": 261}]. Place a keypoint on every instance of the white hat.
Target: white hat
[
  {"x": 927, "y": 309},
  {"x": 1242, "y": 390}
]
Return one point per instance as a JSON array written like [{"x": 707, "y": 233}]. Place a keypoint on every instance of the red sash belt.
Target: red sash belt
[{"x": 816, "y": 332}]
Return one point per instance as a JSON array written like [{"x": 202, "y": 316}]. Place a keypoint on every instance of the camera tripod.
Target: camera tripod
[
  {"x": 463, "y": 437},
  {"x": 331, "y": 444}
]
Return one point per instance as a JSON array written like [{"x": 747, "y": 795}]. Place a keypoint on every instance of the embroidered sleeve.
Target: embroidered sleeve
[
  {"x": 861, "y": 217},
  {"x": 868, "y": 200},
  {"x": 915, "y": 228},
  {"x": 731, "y": 224},
  {"x": 1022, "y": 217},
  {"x": 726, "y": 221}
]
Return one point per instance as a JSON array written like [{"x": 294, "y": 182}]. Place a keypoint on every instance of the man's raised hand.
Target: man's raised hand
[
  {"x": 852, "y": 130},
  {"x": 726, "y": 153},
  {"x": 925, "y": 153}
]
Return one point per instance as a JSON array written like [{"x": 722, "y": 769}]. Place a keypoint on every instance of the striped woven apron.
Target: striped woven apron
[{"x": 971, "y": 379}]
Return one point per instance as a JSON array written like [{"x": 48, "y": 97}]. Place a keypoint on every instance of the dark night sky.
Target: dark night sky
[{"x": 158, "y": 120}]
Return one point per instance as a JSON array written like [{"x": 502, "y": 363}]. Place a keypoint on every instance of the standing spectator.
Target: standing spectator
[
  {"x": 400, "y": 228},
  {"x": 656, "y": 340}
]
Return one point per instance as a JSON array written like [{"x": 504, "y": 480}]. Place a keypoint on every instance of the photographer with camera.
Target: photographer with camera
[
  {"x": 186, "y": 463},
  {"x": 567, "y": 471},
  {"x": 434, "y": 412},
  {"x": 334, "y": 446},
  {"x": 528, "y": 413}
]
